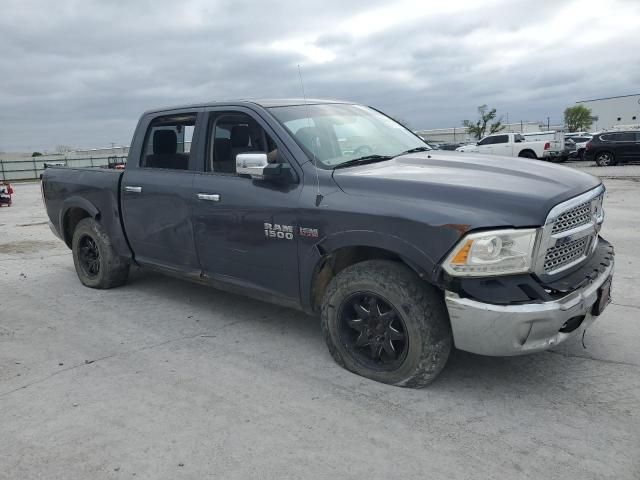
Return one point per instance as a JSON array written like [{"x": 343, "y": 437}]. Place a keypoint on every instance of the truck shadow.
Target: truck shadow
[{"x": 229, "y": 316}]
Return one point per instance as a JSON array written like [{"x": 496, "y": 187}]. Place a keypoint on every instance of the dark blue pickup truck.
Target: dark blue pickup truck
[{"x": 335, "y": 209}]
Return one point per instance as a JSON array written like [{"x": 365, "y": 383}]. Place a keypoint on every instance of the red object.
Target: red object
[
  {"x": 547, "y": 145},
  {"x": 6, "y": 190},
  {"x": 588, "y": 146}
]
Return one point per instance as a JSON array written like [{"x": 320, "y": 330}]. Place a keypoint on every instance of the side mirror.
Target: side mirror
[
  {"x": 252, "y": 164},
  {"x": 258, "y": 167}
]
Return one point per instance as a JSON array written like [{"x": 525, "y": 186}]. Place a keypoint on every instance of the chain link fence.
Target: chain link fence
[{"x": 12, "y": 170}]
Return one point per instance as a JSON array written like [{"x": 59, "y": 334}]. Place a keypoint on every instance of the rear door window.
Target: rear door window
[
  {"x": 168, "y": 142},
  {"x": 626, "y": 137},
  {"x": 501, "y": 139}
]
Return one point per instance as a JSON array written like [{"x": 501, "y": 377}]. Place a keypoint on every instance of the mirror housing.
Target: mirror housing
[
  {"x": 252, "y": 164},
  {"x": 257, "y": 166}
]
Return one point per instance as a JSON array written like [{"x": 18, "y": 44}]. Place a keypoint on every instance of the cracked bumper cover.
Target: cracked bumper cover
[{"x": 502, "y": 330}]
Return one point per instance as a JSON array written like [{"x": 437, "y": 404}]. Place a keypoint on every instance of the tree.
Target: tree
[
  {"x": 479, "y": 129},
  {"x": 36, "y": 154},
  {"x": 577, "y": 118},
  {"x": 63, "y": 149}
]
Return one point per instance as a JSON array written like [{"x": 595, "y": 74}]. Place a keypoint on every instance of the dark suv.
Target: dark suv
[{"x": 611, "y": 148}]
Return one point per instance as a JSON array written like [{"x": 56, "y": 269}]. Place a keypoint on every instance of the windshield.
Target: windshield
[{"x": 336, "y": 133}]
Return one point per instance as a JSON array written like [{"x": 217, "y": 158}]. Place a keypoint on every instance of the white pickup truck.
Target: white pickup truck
[{"x": 516, "y": 145}]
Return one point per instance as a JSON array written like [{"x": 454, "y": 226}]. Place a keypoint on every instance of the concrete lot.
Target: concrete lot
[{"x": 163, "y": 379}]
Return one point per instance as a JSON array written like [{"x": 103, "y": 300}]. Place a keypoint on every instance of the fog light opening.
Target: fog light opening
[{"x": 571, "y": 324}]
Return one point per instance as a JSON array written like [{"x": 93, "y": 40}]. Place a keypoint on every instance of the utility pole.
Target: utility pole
[{"x": 548, "y": 124}]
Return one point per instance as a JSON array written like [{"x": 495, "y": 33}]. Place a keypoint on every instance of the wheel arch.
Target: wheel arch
[
  {"x": 610, "y": 151},
  {"x": 73, "y": 210},
  {"x": 527, "y": 151},
  {"x": 335, "y": 253}
]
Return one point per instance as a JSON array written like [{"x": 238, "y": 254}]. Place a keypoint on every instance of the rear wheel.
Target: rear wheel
[
  {"x": 605, "y": 159},
  {"x": 96, "y": 262},
  {"x": 382, "y": 322}
]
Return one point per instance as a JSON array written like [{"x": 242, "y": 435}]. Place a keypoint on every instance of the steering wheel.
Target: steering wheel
[{"x": 363, "y": 150}]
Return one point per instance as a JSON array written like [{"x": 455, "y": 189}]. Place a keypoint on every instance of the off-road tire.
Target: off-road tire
[
  {"x": 113, "y": 269},
  {"x": 421, "y": 307}
]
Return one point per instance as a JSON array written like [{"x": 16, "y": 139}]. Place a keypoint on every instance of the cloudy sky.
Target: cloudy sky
[{"x": 80, "y": 72}]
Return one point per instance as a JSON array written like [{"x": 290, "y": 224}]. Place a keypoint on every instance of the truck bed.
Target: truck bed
[{"x": 90, "y": 189}]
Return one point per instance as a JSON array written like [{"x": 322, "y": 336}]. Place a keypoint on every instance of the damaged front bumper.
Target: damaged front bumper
[{"x": 502, "y": 330}]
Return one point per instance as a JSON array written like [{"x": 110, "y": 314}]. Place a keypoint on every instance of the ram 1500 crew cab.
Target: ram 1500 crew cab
[{"x": 335, "y": 209}]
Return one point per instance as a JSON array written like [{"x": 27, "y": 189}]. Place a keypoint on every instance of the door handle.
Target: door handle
[
  {"x": 212, "y": 197},
  {"x": 133, "y": 189}
]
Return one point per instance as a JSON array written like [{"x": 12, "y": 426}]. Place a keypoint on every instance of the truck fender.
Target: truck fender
[
  {"x": 75, "y": 202},
  {"x": 311, "y": 259}
]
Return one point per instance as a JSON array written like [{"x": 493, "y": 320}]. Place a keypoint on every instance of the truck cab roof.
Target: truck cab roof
[{"x": 265, "y": 103}]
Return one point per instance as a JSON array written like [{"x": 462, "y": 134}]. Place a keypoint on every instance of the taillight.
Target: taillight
[
  {"x": 588, "y": 146},
  {"x": 547, "y": 145}
]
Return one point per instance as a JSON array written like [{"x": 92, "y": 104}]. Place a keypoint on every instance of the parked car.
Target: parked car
[
  {"x": 580, "y": 141},
  {"x": 516, "y": 145},
  {"x": 403, "y": 254},
  {"x": 611, "y": 148}
]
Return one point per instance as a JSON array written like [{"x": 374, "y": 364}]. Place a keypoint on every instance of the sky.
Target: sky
[{"x": 80, "y": 73}]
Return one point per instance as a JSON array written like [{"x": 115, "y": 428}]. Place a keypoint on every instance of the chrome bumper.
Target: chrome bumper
[{"x": 503, "y": 330}]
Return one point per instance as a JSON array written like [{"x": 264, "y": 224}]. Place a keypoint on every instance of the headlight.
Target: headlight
[{"x": 497, "y": 252}]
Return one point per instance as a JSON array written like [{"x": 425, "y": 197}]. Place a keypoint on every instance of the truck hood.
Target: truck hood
[{"x": 471, "y": 189}]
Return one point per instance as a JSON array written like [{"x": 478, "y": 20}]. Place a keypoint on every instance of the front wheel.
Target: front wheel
[
  {"x": 605, "y": 159},
  {"x": 97, "y": 264},
  {"x": 382, "y": 322},
  {"x": 527, "y": 154}
]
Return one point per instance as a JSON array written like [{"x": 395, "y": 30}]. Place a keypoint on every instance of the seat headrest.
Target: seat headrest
[
  {"x": 240, "y": 136},
  {"x": 308, "y": 135},
  {"x": 222, "y": 149},
  {"x": 165, "y": 142}
]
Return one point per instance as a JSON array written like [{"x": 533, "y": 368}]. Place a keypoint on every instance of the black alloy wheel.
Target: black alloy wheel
[
  {"x": 372, "y": 331},
  {"x": 89, "y": 256}
]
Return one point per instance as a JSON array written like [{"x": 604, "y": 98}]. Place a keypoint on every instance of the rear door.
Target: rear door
[
  {"x": 626, "y": 146},
  {"x": 157, "y": 192},
  {"x": 245, "y": 229}
]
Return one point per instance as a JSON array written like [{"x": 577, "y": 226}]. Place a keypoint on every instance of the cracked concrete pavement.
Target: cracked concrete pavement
[{"x": 165, "y": 379}]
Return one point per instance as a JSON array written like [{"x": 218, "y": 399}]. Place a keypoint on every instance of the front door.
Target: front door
[
  {"x": 501, "y": 145},
  {"x": 157, "y": 195},
  {"x": 244, "y": 228}
]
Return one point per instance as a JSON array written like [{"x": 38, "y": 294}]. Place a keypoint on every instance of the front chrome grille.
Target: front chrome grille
[
  {"x": 576, "y": 217},
  {"x": 570, "y": 233},
  {"x": 559, "y": 256}
]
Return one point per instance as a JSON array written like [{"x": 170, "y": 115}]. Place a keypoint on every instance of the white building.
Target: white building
[{"x": 612, "y": 112}]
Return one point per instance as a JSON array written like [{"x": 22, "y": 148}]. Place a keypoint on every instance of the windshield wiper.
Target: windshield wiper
[
  {"x": 363, "y": 160},
  {"x": 415, "y": 150}
]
